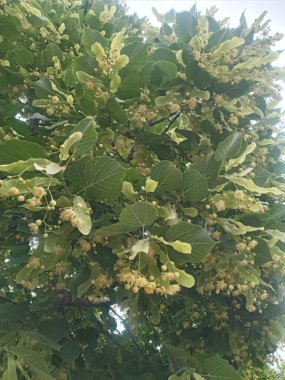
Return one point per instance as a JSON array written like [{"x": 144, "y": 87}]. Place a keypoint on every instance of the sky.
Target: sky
[{"x": 227, "y": 8}]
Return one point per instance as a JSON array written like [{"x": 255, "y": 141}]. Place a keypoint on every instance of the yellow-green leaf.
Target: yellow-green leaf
[
  {"x": 128, "y": 190},
  {"x": 65, "y": 147},
  {"x": 99, "y": 52},
  {"x": 115, "y": 82},
  {"x": 122, "y": 62},
  {"x": 251, "y": 186},
  {"x": 141, "y": 246},
  {"x": 239, "y": 160},
  {"x": 117, "y": 42},
  {"x": 185, "y": 279},
  {"x": 83, "y": 214},
  {"x": 181, "y": 247},
  {"x": 150, "y": 185},
  {"x": 226, "y": 46}
]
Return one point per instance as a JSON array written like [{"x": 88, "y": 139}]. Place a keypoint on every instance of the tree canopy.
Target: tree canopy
[{"x": 142, "y": 188}]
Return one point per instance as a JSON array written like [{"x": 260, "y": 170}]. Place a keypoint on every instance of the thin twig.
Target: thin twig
[
  {"x": 125, "y": 160},
  {"x": 130, "y": 155},
  {"x": 152, "y": 123},
  {"x": 84, "y": 303},
  {"x": 99, "y": 327},
  {"x": 128, "y": 331},
  {"x": 177, "y": 114}
]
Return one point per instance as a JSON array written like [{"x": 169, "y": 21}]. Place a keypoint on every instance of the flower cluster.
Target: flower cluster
[
  {"x": 135, "y": 281},
  {"x": 103, "y": 281},
  {"x": 68, "y": 215}
]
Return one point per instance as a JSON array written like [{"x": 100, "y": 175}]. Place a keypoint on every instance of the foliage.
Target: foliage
[{"x": 142, "y": 194}]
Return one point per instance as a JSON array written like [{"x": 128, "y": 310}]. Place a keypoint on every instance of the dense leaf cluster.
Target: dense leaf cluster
[{"x": 142, "y": 193}]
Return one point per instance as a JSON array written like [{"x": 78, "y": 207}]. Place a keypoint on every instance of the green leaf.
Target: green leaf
[
  {"x": 11, "y": 371},
  {"x": 230, "y": 147},
  {"x": 200, "y": 77},
  {"x": 54, "y": 328},
  {"x": 138, "y": 215},
  {"x": 162, "y": 101},
  {"x": 16, "y": 150},
  {"x": 46, "y": 340},
  {"x": 131, "y": 84},
  {"x": 23, "y": 187},
  {"x": 84, "y": 77},
  {"x": 128, "y": 190},
  {"x": 252, "y": 187},
  {"x": 158, "y": 15},
  {"x": 173, "y": 377},
  {"x": 9, "y": 311},
  {"x": 90, "y": 36},
  {"x": 21, "y": 57},
  {"x": 84, "y": 63},
  {"x": 181, "y": 247},
  {"x": 70, "y": 350},
  {"x": 185, "y": 279},
  {"x": 87, "y": 127},
  {"x": 257, "y": 61},
  {"x": 198, "y": 377},
  {"x": 169, "y": 16},
  {"x": 137, "y": 53},
  {"x": 191, "y": 211},
  {"x": 116, "y": 111},
  {"x": 52, "y": 50},
  {"x": 230, "y": 200},
  {"x": 43, "y": 88},
  {"x": 262, "y": 252},
  {"x": 196, "y": 93},
  {"x": 185, "y": 26},
  {"x": 162, "y": 73},
  {"x": 236, "y": 228},
  {"x": 100, "y": 178},
  {"x": 209, "y": 167},
  {"x": 193, "y": 234},
  {"x": 83, "y": 288},
  {"x": 99, "y": 52},
  {"x": 115, "y": 82},
  {"x": 32, "y": 164},
  {"x": 240, "y": 159},
  {"x": 195, "y": 186},
  {"x": 164, "y": 54},
  {"x": 178, "y": 245},
  {"x": 165, "y": 29},
  {"x": 220, "y": 369},
  {"x": 141, "y": 246},
  {"x": 51, "y": 168},
  {"x": 132, "y": 218},
  {"x": 226, "y": 46},
  {"x": 83, "y": 214},
  {"x": 23, "y": 275},
  {"x": 68, "y": 143},
  {"x": 150, "y": 185},
  {"x": 34, "y": 360},
  {"x": 115, "y": 229},
  {"x": 169, "y": 178}
]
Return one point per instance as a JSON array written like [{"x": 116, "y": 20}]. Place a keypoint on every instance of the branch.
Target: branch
[
  {"x": 7, "y": 300},
  {"x": 99, "y": 327},
  {"x": 177, "y": 114},
  {"x": 125, "y": 160},
  {"x": 67, "y": 301},
  {"x": 130, "y": 155},
  {"x": 128, "y": 331},
  {"x": 152, "y": 123}
]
